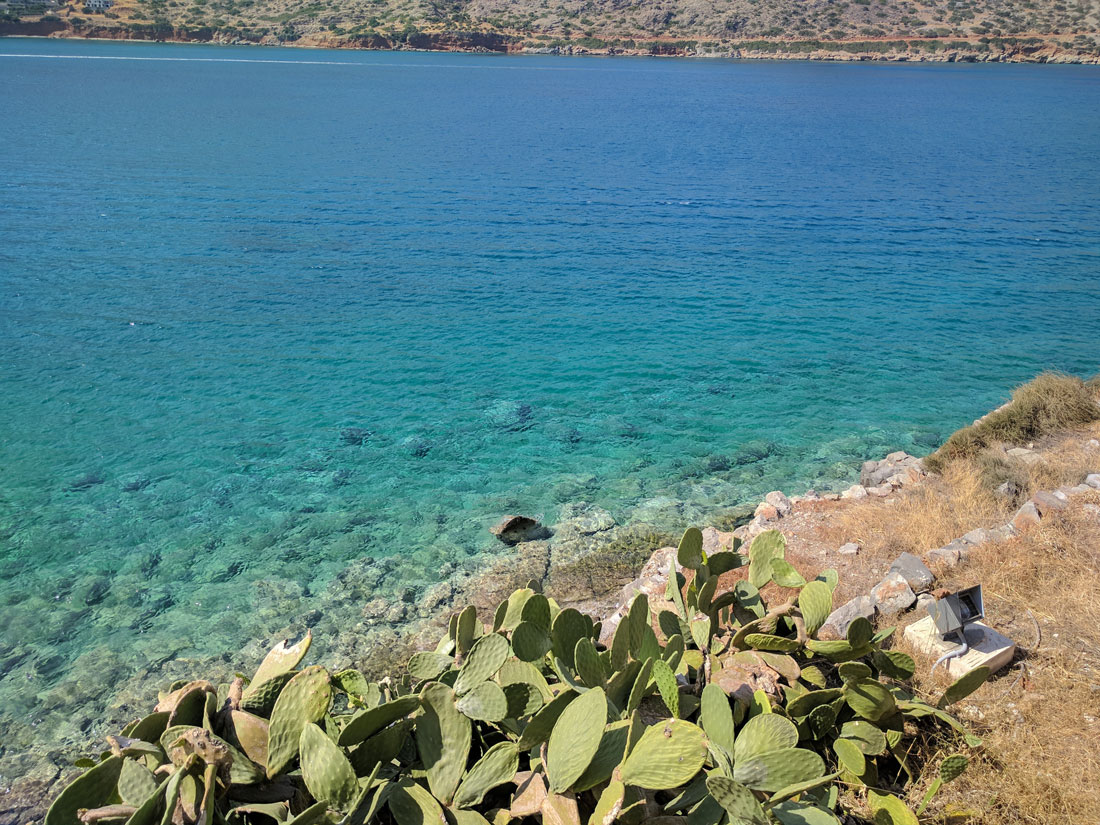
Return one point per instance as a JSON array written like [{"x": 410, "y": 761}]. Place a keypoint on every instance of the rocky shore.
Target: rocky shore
[
  {"x": 586, "y": 559},
  {"x": 913, "y": 50}
]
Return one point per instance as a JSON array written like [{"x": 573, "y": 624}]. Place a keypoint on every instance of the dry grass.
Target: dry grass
[
  {"x": 1049, "y": 403},
  {"x": 1040, "y": 720}
]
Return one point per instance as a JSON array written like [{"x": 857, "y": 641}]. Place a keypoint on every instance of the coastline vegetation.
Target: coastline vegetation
[{"x": 705, "y": 708}]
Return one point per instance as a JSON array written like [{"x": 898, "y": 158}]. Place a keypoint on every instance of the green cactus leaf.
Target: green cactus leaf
[
  {"x": 701, "y": 632},
  {"x": 620, "y": 647},
  {"x": 637, "y": 621},
  {"x": 91, "y": 789},
  {"x": 766, "y": 546},
  {"x": 530, "y": 642},
  {"x": 665, "y": 680},
  {"x": 262, "y": 698},
  {"x": 411, "y": 804},
  {"x": 149, "y": 811},
  {"x": 889, "y": 810},
  {"x": 381, "y": 748},
  {"x": 737, "y": 800},
  {"x": 483, "y": 661},
  {"x": 773, "y": 770},
  {"x": 763, "y": 733},
  {"x": 670, "y": 623},
  {"x": 784, "y": 574},
  {"x": 821, "y": 721},
  {"x": 609, "y": 804},
  {"x": 853, "y": 671},
  {"x": 514, "y": 671},
  {"x": 781, "y": 663},
  {"x": 569, "y": 627},
  {"x": 426, "y": 666},
  {"x": 690, "y": 552},
  {"x": 587, "y": 663},
  {"x": 368, "y": 722},
  {"x": 305, "y": 699},
  {"x": 327, "y": 773},
  {"x": 536, "y": 610},
  {"x": 837, "y": 651},
  {"x": 522, "y": 700},
  {"x": 865, "y": 736},
  {"x": 497, "y": 766},
  {"x": 870, "y": 700},
  {"x": 486, "y": 702},
  {"x": 575, "y": 739},
  {"x": 953, "y": 766},
  {"x": 814, "y": 675},
  {"x": 353, "y": 683},
  {"x": 513, "y": 614},
  {"x": 815, "y": 601},
  {"x": 964, "y": 686},
  {"x": 716, "y": 716},
  {"x": 803, "y": 813},
  {"x": 894, "y": 663},
  {"x": 641, "y": 686},
  {"x": 850, "y": 756},
  {"x": 723, "y": 562},
  {"x": 149, "y": 728},
  {"x": 443, "y": 737},
  {"x": 467, "y": 629},
  {"x": 766, "y": 641},
  {"x": 829, "y": 577},
  {"x": 280, "y": 660},
  {"x": 667, "y": 756},
  {"x": 542, "y": 723},
  {"x": 608, "y": 756},
  {"x": 316, "y": 814},
  {"x": 860, "y": 632},
  {"x": 135, "y": 782}
]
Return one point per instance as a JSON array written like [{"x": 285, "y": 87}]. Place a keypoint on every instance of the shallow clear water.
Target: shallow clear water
[{"x": 664, "y": 287}]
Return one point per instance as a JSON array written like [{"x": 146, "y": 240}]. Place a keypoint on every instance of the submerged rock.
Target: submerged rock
[{"x": 514, "y": 529}]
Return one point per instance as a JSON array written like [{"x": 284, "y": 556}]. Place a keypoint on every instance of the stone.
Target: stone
[
  {"x": 944, "y": 557},
  {"x": 1092, "y": 442},
  {"x": 1028, "y": 457},
  {"x": 514, "y": 529},
  {"x": 1027, "y": 516},
  {"x": 897, "y": 469},
  {"x": 780, "y": 502},
  {"x": 914, "y": 571},
  {"x": 658, "y": 563},
  {"x": 1093, "y": 480},
  {"x": 836, "y": 626},
  {"x": 397, "y": 613},
  {"x": 1009, "y": 490},
  {"x": 882, "y": 491},
  {"x": 766, "y": 512},
  {"x": 740, "y": 679},
  {"x": 893, "y": 594},
  {"x": 987, "y": 647},
  {"x": 435, "y": 598},
  {"x": 1048, "y": 503},
  {"x": 924, "y": 601},
  {"x": 830, "y": 496},
  {"x": 849, "y": 549},
  {"x": 714, "y": 541},
  {"x": 1003, "y": 533},
  {"x": 962, "y": 547},
  {"x": 856, "y": 491},
  {"x": 978, "y": 536},
  {"x": 582, "y": 519}
]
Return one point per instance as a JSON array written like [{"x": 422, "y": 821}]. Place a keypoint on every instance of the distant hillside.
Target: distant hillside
[{"x": 1039, "y": 30}]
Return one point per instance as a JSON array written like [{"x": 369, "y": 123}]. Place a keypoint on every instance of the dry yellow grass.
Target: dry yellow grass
[{"x": 1040, "y": 719}]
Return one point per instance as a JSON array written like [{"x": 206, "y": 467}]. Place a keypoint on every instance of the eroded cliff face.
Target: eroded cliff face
[{"x": 913, "y": 51}]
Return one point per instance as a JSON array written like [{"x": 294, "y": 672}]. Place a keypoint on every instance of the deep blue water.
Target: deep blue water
[{"x": 661, "y": 286}]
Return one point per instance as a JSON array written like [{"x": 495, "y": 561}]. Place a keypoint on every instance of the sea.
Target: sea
[{"x": 268, "y": 312}]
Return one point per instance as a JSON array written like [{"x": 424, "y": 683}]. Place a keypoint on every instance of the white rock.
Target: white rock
[
  {"x": 1093, "y": 480},
  {"x": 856, "y": 491},
  {"x": 849, "y": 549}
]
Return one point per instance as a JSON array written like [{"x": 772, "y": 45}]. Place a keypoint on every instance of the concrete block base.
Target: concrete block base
[{"x": 987, "y": 647}]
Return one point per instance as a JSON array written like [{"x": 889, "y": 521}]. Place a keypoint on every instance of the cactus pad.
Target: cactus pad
[
  {"x": 737, "y": 800},
  {"x": 575, "y": 739},
  {"x": 774, "y": 770},
  {"x": 485, "y": 658},
  {"x": 667, "y": 755},
  {"x": 815, "y": 600},
  {"x": 497, "y": 766},
  {"x": 370, "y": 721},
  {"x": 487, "y": 703},
  {"x": 443, "y": 740},
  {"x": 325, "y": 770}
]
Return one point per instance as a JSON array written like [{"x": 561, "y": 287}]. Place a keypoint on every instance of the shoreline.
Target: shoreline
[{"x": 1022, "y": 49}]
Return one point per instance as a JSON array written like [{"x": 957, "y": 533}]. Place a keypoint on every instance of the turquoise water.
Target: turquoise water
[{"x": 267, "y": 312}]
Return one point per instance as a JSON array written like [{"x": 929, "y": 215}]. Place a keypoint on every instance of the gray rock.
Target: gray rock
[
  {"x": 924, "y": 601},
  {"x": 396, "y": 614},
  {"x": 849, "y": 549},
  {"x": 658, "y": 563},
  {"x": 1003, "y": 533},
  {"x": 779, "y": 501},
  {"x": 836, "y": 626},
  {"x": 914, "y": 571},
  {"x": 1093, "y": 480},
  {"x": 1009, "y": 491},
  {"x": 978, "y": 536},
  {"x": 1048, "y": 503},
  {"x": 962, "y": 547},
  {"x": 945, "y": 557},
  {"x": 514, "y": 529},
  {"x": 1027, "y": 516},
  {"x": 856, "y": 491},
  {"x": 893, "y": 594},
  {"x": 896, "y": 469},
  {"x": 1028, "y": 457}
]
